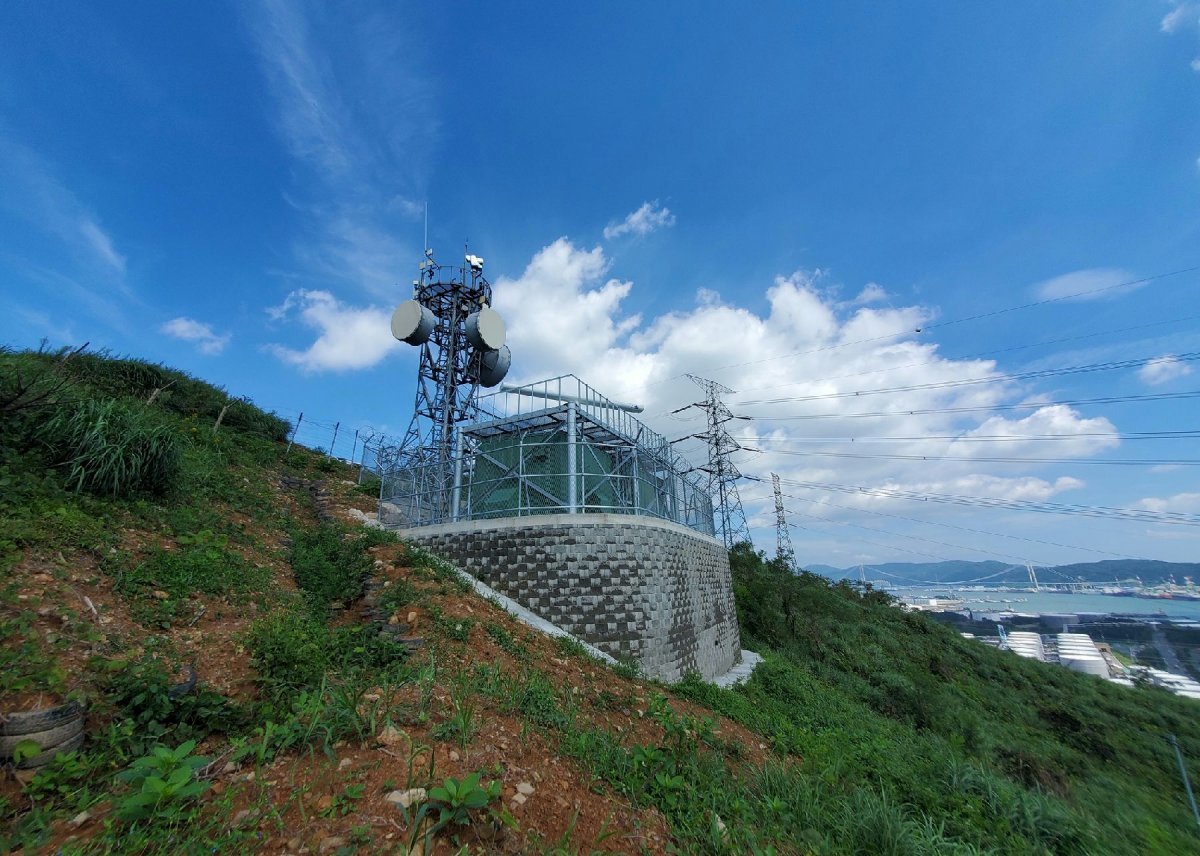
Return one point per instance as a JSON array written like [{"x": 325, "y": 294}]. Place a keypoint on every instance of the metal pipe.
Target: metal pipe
[
  {"x": 572, "y": 486},
  {"x": 456, "y": 497},
  {"x": 559, "y": 396}
]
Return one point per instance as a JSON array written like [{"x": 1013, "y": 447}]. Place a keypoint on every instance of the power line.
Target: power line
[
  {"x": 1033, "y": 405},
  {"x": 964, "y": 357},
  {"x": 1185, "y": 434},
  {"x": 910, "y": 537},
  {"x": 991, "y": 314},
  {"x": 826, "y": 503},
  {"x": 1190, "y": 356},
  {"x": 1107, "y": 512},
  {"x": 1151, "y": 462}
]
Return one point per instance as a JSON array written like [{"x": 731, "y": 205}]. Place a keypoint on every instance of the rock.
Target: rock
[
  {"x": 344, "y": 763},
  {"x": 229, "y": 767},
  {"x": 412, "y": 617},
  {"x": 720, "y": 825},
  {"x": 525, "y": 788},
  {"x": 390, "y": 736},
  {"x": 325, "y": 803},
  {"x": 80, "y": 819},
  {"x": 407, "y": 798},
  {"x": 454, "y": 756},
  {"x": 294, "y": 843},
  {"x": 242, "y": 816},
  {"x": 519, "y": 799},
  {"x": 333, "y": 842},
  {"x": 159, "y": 594},
  {"x": 395, "y": 619},
  {"x": 217, "y": 788}
]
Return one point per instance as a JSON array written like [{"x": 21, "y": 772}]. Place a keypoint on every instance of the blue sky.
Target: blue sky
[{"x": 238, "y": 190}]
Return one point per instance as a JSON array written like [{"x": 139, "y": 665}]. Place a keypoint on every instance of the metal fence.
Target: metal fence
[{"x": 581, "y": 454}]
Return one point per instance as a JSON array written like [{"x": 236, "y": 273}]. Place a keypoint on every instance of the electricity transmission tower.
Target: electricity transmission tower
[
  {"x": 722, "y": 471},
  {"x": 783, "y": 535}
]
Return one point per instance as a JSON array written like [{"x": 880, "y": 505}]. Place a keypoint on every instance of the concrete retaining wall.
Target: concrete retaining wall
[{"x": 635, "y": 587}]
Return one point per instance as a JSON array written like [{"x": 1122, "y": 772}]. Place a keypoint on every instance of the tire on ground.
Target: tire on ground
[{"x": 54, "y": 730}]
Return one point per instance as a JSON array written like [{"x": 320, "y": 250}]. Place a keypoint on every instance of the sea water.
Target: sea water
[{"x": 1052, "y": 602}]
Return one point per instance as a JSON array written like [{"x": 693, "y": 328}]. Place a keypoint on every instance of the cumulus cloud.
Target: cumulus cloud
[
  {"x": 1163, "y": 369},
  {"x": 804, "y": 355},
  {"x": 872, "y": 292},
  {"x": 348, "y": 337},
  {"x": 190, "y": 330},
  {"x": 1090, "y": 284},
  {"x": 649, "y": 218},
  {"x": 1188, "y": 503}
]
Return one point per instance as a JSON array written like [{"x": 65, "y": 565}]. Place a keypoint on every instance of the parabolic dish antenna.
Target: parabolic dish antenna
[
  {"x": 485, "y": 330},
  {"x": 493, "y": 366},
  {"x": 413, "y": 323}
]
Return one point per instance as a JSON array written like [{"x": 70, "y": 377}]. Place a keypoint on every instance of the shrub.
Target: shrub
[
  {"x": 112, "y": 448},
  {"x": 290, "y": 651},
  {"x": 330, "y": 567}
]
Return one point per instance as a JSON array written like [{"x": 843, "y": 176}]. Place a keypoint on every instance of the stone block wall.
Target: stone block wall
[{"x": 635, "y": 587}]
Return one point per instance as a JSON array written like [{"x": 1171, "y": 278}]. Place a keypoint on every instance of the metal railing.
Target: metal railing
[{"x": 556, "y": 447}]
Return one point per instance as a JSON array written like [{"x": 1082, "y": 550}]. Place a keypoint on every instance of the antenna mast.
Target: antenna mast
[
  {"x": 783, "y": 536},
  {"x": 722, "y": 471},
  {"x": 462, "y": 348}
]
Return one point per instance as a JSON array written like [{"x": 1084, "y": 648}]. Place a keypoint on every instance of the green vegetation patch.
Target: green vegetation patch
[{"x": 331, "y": 563}]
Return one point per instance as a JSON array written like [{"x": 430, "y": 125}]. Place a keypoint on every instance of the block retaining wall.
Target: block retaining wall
[{"x": 635, "y": 587}]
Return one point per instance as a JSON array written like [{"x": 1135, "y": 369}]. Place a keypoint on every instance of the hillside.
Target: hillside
[
  {"x": 339, "y": 670},
  {"x": 916, "y": 573}
]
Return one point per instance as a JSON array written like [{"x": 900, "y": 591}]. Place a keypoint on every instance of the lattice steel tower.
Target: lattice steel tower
[
  {"x": 723, "y": 473},
  {"x": 783, "y": 535},
  {"x": 462, "y": 348}
]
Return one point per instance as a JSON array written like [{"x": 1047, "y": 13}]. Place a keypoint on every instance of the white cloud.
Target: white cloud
[
  {"x": 565, "y": 313},
  {"x": 872, "y": 292},
  {"x": 354, "y": 115},
  {"x": 348, "y": 337},
  {"x": 1188, "y": 503},
  {"x": 30, "y": 189},
  {"x": 649, "y": 218},
  {"x": 1057, "y": 420},
  {"x": 1179, "y": 17},
  {"x": 1163, "y": 369},
  {"x": 1195, "y": 64},
  {"x": 190, "y": 330},
  {"x": 1090, "y": 284}
]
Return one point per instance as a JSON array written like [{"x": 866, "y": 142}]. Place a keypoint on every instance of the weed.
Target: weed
[
  {"x": 331, "y": 565},
  {"x": 569, "y": 646},
  {"x": 462, "y": 722},
  {"x": 456, "y": 802},
  {"x": 344, "y": 803},
  {"x": 112, "y": 448},
  {"x": 154, "y": 709},
  {"x": 164, "y": 783}
]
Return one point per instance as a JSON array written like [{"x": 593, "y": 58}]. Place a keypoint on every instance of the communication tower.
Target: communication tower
[
  {"x": 462, "y": 348},
  {"x": 783, "y": 536}
]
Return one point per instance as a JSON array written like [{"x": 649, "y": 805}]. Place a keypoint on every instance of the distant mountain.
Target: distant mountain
[{"x": 926, "y": 573}]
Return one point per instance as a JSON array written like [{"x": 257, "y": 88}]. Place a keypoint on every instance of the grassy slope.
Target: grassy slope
[{"x": 867, "y": 730}]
